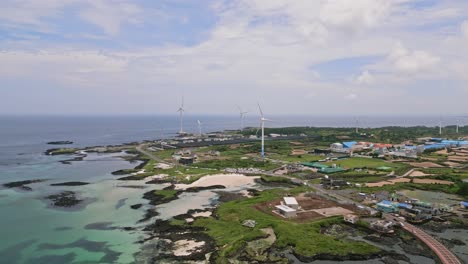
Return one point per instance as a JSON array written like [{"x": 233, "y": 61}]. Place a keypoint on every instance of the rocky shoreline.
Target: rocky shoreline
[{"x": 22, "y": 185}]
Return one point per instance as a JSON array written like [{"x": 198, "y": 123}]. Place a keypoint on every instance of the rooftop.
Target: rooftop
[
  {"x": 285, "y": 208},
  {"x": 290, "y": 200}
]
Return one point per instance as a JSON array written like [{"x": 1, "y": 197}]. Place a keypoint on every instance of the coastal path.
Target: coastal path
[
  {"x": 141, "y": 148},
  {"x": 444, "y": 254}
]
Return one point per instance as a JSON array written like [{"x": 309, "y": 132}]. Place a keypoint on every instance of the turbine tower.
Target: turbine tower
[
  {"x": 458, "y": 124},
  {"x": 357, "y": 125},
  {"x": 242, "y": 117},
  {"x": 262, "y": 122},
  {"x": 440, "y": 126},
  {"x": 181, "y": 116},
  {"x": 199, "y": 127}
]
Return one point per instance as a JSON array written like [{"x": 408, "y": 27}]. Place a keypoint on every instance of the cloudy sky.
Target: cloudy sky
[{"x": 294, "y": 57}]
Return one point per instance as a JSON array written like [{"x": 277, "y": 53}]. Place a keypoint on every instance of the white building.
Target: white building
[
  {"x": 291, "y": 202},
  {"x": 286, "y": 211},
  {"x": 351, "y": 218}
]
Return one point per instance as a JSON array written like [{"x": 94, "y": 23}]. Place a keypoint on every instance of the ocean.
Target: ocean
[{"x": 33, "y": 232}]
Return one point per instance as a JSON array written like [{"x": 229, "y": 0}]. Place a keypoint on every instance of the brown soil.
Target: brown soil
[{"x": 425, "y": 165}]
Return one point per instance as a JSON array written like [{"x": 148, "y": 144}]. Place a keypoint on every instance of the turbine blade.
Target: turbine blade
[{"x": 260, "y": 109}]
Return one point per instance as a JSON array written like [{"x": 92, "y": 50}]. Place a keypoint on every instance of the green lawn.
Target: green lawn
[
  {"x": 301, "y": 158},
  {"x": 167, "y": 194},
  {"x": 305, "y": 238},
  {"x": 357, "y": 162}
]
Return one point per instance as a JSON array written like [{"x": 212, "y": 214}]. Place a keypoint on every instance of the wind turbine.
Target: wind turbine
[
  {"x": 262, "y": 121},
  {"x": 242, "y": 117},
  {"x": 440, "y": 126},
  {"x": 199, "y": 127},
  {"x": 181, "y": 111},
  {"x": 357, "y": 125}
]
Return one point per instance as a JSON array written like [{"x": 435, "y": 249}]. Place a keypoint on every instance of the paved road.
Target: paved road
[{"x": 140, "y": 148}]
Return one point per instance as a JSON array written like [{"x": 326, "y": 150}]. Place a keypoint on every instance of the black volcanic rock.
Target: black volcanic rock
[
  {"x": 63, "y": 142},
  {"x": 22, "y": 184},
  {"x": 64, "y": 199},
  {"x": 72, "y": 183}
]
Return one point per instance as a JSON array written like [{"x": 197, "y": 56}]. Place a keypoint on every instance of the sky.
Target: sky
[{"x": 321, "y": 57}]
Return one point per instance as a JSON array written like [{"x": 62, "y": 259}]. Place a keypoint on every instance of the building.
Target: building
[
  {"x": 414, "y": 215},
  {"x": 328, "y": 182},
  {"x": 349, "y": 144},
  {"x": 426, "y": 208},
  {"x": 382, "y": 226},
  {"x": 351, "y": 218},
  {"x": 387, "y": 206},
  {"x": 286, "y": 211},
  {"x": 464, "y": 205},
  {"x": 186, "y": 160},
  {"x": 314, "y": 165},
  {"x": 291, "y": 202},
  {"x": 214, "y": 153},
  {"x": 338, "y": 147}
]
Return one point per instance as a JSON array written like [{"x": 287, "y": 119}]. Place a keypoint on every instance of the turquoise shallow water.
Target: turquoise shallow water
[{"x": 33, "y": 232}]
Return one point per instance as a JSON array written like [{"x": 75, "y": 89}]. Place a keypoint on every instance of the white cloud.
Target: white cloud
[
  {"x": 111, "y": 15},
  {"x": 365, "y": 78},
  {"x": 417, "y": 61},
  {"x": 257, "y": 50},
  {"x": 464, "y": 29},
  {"x": 356, "y": 14}
]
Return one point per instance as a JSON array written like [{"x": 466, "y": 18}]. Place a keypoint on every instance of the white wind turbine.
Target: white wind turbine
[
  {"x": 440, "y": 126},
  {"x": 181, "y": 111},
  {"x": 199, "y": 127},
  {"x": 242, "y": 117},
  {"x": 262, "y": 121}
]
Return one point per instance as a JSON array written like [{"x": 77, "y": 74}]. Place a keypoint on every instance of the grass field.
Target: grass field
[
  {"x": 305, "y": 238},
  {"x": 356, "y": 162}
]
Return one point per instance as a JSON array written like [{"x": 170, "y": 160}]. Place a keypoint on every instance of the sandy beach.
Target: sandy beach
[{"x": 227, "y": 180}]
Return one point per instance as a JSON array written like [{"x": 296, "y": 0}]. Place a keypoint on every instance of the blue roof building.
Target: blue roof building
[
  {"x": 464, "y": 205},
  {"x": 349, "y": 144},
  {"x": 435, "y": 146},
  {"x": 387, "y": 206}
]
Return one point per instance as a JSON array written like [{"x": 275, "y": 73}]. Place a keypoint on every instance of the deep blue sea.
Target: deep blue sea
[{"x": 31, "y": 231}]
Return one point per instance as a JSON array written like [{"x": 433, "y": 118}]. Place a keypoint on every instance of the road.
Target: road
[{"x": 140, "y": 148}]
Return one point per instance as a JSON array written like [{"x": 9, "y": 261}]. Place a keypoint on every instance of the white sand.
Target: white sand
[
  {"x": 185, "y": 247},
  {"x": 202, "y": 214},
  {"x": 227, "y": 180}
]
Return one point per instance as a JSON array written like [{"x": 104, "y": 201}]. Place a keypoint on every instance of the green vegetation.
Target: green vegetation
[
  {"x": 356, "y": 162},
  {"x": 460, "y": 188},
  {"x": 166, "y": 194},
  {"x": 236, "y": 163},
  {"x": 274, "y": 179},
  {"x": 394, "y": 135},
  {"x": 305, "y": 238},
  {"x": 61, "y": 151}
]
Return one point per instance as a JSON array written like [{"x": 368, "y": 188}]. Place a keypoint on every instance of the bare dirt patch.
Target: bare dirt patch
[
  {"x": 432, "y": 181},
  {"x": 425, "y": 165},
  {"x": 308, "y": 208},
  {"x": 458, "y": 158},
  {"x": 389, "y": 182},
  {"x": 333, "y": 211},
  {"x": 418, "y": 174}
]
